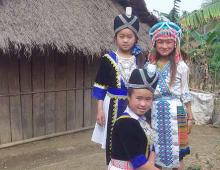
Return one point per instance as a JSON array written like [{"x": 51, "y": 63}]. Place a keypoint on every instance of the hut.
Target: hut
[{"x": 48, "y": 59}]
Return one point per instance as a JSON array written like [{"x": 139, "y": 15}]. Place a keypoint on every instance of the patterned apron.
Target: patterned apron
[{"x": 169, "y": 122}]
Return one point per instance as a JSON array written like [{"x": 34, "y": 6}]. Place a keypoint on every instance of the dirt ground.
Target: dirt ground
[{"x": 77, "y": 152}]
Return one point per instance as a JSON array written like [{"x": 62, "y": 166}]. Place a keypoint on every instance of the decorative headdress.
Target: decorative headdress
[
  {"x": 166, "y": 30},
  {"x": 130, "y": 21},
  {"x": 143, "y": 79},
  {"x": 126, "y": 21}
]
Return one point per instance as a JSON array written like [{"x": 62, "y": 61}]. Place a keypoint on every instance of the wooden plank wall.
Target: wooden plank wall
[
  {"x": 71, "y": 94},
  {"x": 50, "y": 96},
  {"x": 44, "y": 95},
  {"x": 60, "y": 96},
  {"x": 79, "y": 92},
  {"x": 38, "y": 97},
  {"x": 14, "y": 100},
  {"x": 26, "y": 100},
  {"x": 5, "y": 117}
]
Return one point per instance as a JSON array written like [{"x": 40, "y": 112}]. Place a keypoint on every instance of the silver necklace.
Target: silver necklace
[{"x": 126, "y": 66}]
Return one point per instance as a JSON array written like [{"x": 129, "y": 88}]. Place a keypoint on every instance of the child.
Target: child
[
  {"x": 172, "y": 96},
  {"x": 132, "y": 137},
  {"x": 110, "y": 85}
]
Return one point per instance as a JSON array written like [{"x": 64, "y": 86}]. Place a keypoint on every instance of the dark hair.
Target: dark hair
[
  {"x": 173, "y": 67},
  {"x": 148, "y": 116},
  {"x": 130, "y": 91},
  {"x": 184, "y": 55}
]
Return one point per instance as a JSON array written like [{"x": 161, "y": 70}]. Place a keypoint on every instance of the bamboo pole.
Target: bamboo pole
[{"x": 44, "y": 137}]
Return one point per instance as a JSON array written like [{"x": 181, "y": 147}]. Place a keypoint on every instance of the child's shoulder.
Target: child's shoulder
[
  {"x": 109, "y": 56},
  {"x": 109, "y": 53},
  {"x": 182, "y": 65},
  {"x": 127, "y": 126},
  {"x": 126, "y": 121}
]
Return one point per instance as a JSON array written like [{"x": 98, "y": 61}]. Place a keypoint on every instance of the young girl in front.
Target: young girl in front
[
  {"x": 171, "y": 110},
  {"x": 110, "y": 87},
  {"x": 132, "y": 137}
]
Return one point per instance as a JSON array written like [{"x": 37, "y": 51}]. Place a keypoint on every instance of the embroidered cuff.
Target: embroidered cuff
[
  {"x": 184, "y": 151},
  {"x": 99, "y": 93},
  {"x": 138, "y": 161},
  {"x": 186, "y": 97}
]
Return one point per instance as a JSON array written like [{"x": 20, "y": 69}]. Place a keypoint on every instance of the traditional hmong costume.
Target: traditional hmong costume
[
  {"x": 169, "y": 118},
  {"x": 111, "y": 84},
  {"x": 132, "y": 137}
]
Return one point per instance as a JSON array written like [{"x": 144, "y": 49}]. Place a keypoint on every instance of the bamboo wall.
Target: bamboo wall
[{"x": 44, "y": 94}]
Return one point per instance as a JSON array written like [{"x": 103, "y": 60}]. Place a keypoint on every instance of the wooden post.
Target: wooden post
[
  {"x": 15, "y": 101},
  {"x": 5, "y": 129},
  {"x": 71, "y": 95},
  {"x": 50, "y": 96},
  {"x": 26, "y": 100},
  {"x": 94, "y": 65},
  {"x": 87, "y": 94},
  {"x": 79, "y": 90},
  {"x": 60, "y": 76},
  {"x": 38, "y": 98}
]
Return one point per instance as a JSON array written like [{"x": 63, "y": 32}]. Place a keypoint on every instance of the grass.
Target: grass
[{"x": 196, "y": 167}]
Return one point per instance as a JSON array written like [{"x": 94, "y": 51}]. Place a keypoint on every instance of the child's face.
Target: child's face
[
  {"x": 125, "y": 39},
  {"x": 140, "y": 101},
  {"x": 165, "y": 46}
]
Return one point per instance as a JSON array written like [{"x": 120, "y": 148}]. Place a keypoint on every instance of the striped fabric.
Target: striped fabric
[
  {"x": 182, "y": 132},
  {"x": 182, "y": 126}
]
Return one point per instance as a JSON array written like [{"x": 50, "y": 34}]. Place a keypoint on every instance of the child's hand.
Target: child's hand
[
  {"x": 148, "y": 166},
  {"x": 155, "y": 168},
  {"x": 152, "y": 157},
  {"x": 100, "y": 118}
]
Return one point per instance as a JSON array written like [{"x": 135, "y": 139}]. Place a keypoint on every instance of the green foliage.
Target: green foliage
[
  {"x": 205, "y": 48},
  {"x": 214, "y": 44},
  {"x": 196, "y": 19},
  {"x": 174, "y": 13},
  {"x": 194, "y": 168}
]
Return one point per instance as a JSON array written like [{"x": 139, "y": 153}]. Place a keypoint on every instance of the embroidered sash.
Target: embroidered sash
[{"x": 164, "y": 121}]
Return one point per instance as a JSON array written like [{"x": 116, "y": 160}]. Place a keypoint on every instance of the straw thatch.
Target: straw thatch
[{"x": 86, "y": 25}]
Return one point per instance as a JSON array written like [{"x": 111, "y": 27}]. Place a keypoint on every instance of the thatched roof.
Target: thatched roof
[{"x": 84, "y": 24}]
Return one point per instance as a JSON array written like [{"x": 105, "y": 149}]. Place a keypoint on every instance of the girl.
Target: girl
[
  {"x": 169, "y": 118},
  {"x": 110, "y": 85},
  {"x": 132, "y": 136}
]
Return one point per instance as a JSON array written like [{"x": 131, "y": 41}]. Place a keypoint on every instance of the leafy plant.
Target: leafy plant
[
  {"x": 204, "y": 52},
  {"x": 194, "y": 168},
  {"x": 174, "y": 13},
  {"x": 209, "y": 12}
]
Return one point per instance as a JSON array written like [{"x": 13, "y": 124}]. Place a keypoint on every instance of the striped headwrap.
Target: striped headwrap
[
  {"x": 122, "y": 21},
  {"x": 143, "y": 79}
]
